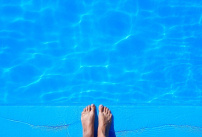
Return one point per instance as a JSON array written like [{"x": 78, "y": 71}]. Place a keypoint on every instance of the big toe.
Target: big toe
[
  {"x": 101, "y": 108},
  {"x": 93, "y": 107}
]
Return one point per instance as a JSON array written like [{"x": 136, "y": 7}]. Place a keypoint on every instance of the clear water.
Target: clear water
[{"x": 123, "y": 51}]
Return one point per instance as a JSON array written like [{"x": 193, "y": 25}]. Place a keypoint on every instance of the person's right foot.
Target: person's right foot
[{"x": 105, "y": 118}]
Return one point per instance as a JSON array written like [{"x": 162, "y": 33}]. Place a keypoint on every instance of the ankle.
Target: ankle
[
  {"x": 88, "y": 134},
  {"x": 102, "y": 132},
  {"x": 88, "y": 131}
]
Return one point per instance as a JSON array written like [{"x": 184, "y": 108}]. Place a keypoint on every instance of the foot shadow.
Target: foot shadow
[
  {"x": 96, "y": 124},
  {"x": 112, "y": 131}
]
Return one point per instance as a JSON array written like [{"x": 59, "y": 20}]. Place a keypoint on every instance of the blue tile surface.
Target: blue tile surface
[{"x": 141, "y": 121}]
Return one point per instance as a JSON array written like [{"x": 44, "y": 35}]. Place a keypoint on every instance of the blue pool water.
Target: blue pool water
[
  {"x": 140, "y": 58},
  {"x": 119, "y": 52}
]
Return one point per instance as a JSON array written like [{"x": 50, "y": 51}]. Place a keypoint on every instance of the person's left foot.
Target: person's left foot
[{"x": 87, "y": 119}]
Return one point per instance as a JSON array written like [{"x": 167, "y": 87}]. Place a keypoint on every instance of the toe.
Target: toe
[
  {"x": 92, "y": 107},
  {"x": 105, "y": 109},
  {"x": 84, "y": 110},
  {"x": 101, "y": 108},
  {"x": 108, "y": 111},
  {"x": 89, "y": 108},
  {"x": 110, "y": 115}
]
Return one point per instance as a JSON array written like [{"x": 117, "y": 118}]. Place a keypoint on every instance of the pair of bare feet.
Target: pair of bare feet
[{"x": 88, "y": 118}]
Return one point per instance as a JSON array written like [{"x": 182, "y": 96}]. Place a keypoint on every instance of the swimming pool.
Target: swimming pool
[
  {"x": 141, "y": 58},
  {"x": 139, "y": 52}
]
